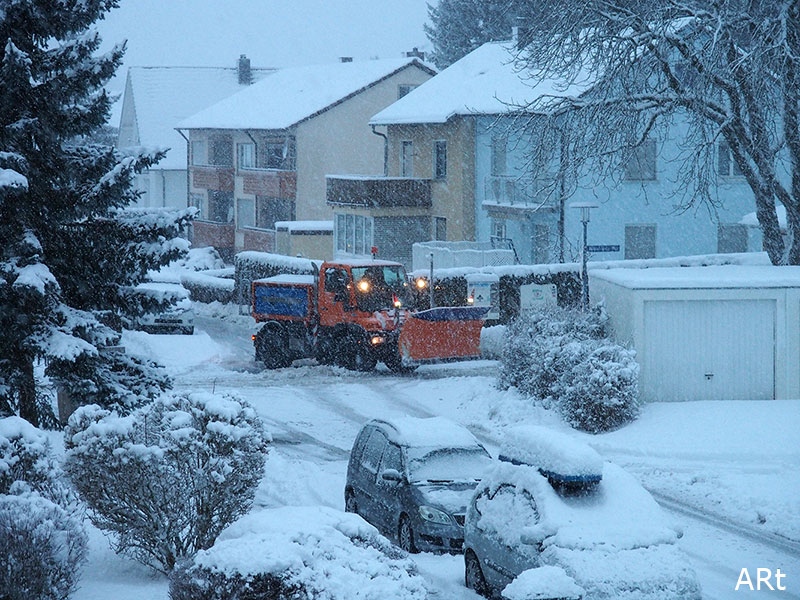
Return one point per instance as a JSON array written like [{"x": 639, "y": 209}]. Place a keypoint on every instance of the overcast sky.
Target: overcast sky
[{"x": 273, "y": 33}]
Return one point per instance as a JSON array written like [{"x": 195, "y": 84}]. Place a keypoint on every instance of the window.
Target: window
[
  {"x": 199, "y": 202},
  {"x": 353, "y": 234},
  {"x": 336, "y": 281},
  {"x": 731, "y": 237},
  {"x": 641, "y": 164},
  {"x": 640, "y": 241},
  {"x": 221, "y": 151},
  {"x": 373, "y": 451},
  {"x": 498, "y": 156},
  {"x": 407, "y": 158},
  {"x": 392, "y": 459},
  {"x": 498, "y": 228},
  {"x": 275, "y": 155},
  {"x": 270, "y": 210},
  {"x": 246, "y": 155},
  {"x": 245, "y": 212},
  {"x": 404, "y": 88},
  {"x": 505, "y": 513},
  {"x": 220, "y": 207},
  {"x": 726, "y": 165},
  {"x": 440, "y": 228},
  {"x": 199, "y": 152},
  {"x": 440, "y": 159}
]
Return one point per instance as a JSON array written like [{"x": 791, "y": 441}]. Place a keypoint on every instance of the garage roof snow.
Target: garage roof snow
[{"x": 725, "y": 276}]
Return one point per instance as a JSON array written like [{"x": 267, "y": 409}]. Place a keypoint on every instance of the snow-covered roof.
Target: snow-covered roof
[
  {"x": 295, "y": 94},
  {"x": 726, "y": 276},
  {"x": 485, "y": 81},
  {"x": 163, "y": 96},
  {"x": 433, "y": 432}
]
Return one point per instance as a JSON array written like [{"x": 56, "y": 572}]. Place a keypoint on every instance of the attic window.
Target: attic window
[{"x": 404, "y": 88}]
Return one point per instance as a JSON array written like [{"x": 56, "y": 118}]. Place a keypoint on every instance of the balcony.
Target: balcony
[
  {"x": 378, "y": 192},
  {"x": 213, "y": 178},
  {"x": 275, "y": 183},
  {"x": 522, "y": 193}
]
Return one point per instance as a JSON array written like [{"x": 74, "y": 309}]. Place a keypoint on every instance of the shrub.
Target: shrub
[
  {"x": 562, "y": 359},
  {"x": 165, "y": 480},
  {"x": 603, "y": 392},
  {"x": 208, "y": 288},
  {"x": 293, "y": 553},
  {"x": 42, "y": 545}
]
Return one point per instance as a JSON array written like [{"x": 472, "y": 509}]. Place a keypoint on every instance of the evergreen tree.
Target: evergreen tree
[
  {"x": 71, "y": 251},
  {"x": 459, "y": 26}
]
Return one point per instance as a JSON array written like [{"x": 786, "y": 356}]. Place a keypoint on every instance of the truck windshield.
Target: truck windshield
[{"x": 377, "y": 286}]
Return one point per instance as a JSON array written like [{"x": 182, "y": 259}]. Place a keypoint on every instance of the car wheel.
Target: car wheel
[
  {"x": 405, "y": 535},
  {"x": 362, "y": 358},
  {"x": 271, "y": 348},
  {"x": 473, "y": 575},
  {"x": 350, "y": 502}
]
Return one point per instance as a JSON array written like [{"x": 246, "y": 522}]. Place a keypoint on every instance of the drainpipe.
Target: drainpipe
[
  {"x": 188, "y": 158},
  {"x": 385, "y": 150},
  {"x": 255, "y": 145}
]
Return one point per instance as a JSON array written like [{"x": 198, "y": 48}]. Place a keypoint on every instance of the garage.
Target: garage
[{"x": 707, "y": 333}]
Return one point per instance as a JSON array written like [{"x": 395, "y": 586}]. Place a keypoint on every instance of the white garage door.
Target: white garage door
[{"x": 708, "y": 350}]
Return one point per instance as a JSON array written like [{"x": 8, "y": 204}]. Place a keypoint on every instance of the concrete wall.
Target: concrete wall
[
  {"x": 339, "y": 141},
  {"x": 621, "y": 202},
  {"x": 453, "y": 197}
]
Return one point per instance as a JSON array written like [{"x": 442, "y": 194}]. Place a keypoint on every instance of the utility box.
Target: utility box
[
  {"x": 535, "y": 297},
  {"x": 484, "y": 289}
]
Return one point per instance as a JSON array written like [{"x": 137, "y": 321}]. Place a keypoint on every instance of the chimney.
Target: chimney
[
  {"x": 245, "y": 74},
  {"x": 345, "y": 59},
  {"x": 521, "y": 34},
  {"x": 415, "y": 53}
]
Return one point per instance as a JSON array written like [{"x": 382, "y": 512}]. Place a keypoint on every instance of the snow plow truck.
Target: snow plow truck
[{"x": 355, "y": 314}]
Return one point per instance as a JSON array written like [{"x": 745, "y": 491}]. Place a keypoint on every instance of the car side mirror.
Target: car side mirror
[
  {"x": 532, "y": 536},
  {"x": 391, "y": 475}
]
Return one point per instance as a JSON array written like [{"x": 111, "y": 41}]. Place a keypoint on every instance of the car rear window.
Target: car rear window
[{"x": 447, "y": 464}]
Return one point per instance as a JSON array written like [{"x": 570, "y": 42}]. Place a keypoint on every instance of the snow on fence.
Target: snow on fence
[{"x": 451, "y": 254}]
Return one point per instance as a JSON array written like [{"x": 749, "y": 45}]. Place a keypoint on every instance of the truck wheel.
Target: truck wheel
[
  {"x": 271, "y": 347},
  {"x": 395, "y": 364},
  {"x": 361, "y": 357}
]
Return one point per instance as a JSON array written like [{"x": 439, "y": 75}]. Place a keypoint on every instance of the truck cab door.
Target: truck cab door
[{"x": 335, "y": 297}]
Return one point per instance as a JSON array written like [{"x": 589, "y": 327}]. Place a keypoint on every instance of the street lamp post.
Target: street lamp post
[{"x": 585, "y": 207}]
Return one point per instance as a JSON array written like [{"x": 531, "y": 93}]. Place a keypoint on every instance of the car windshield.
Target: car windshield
[
  {"x": 447, "y": 464},
  {"x": 377, "y": 286}
]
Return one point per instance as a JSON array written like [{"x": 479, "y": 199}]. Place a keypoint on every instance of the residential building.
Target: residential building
[
  {"x": 489, "y": 193},
  {"x": 154, "y": 101},
  {"x": 261, "y": 156}
]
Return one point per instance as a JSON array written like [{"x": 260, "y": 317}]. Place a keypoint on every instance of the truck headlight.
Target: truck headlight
[
  {"x": 377, "y": 339},
  {"x": 434, "y": 515}
]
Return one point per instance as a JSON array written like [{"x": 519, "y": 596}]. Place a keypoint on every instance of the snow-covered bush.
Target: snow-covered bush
[
  {"x": 42, "y": 540},
  {"x": 42, "y": 545},
  {"x": 169, "y": 477},
  {"x": 207, "y": 288},
  {"x": 299, "y": 554},
  {"x": 603, "y": 389},
  {"x": 26, "y": 456},
  {"x": 562, "y": 359}
]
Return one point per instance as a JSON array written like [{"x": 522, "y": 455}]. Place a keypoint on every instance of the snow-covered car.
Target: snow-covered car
[
  {"x": 412, "y": 478},
  {"x": 551, "y": 501},
  {"x": 178, "y": 318}
]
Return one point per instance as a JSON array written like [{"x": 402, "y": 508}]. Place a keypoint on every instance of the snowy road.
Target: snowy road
[{"x": 315, "y": 412}]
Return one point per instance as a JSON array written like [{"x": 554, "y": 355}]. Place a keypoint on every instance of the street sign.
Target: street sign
[{"x": 605, "y": 248}]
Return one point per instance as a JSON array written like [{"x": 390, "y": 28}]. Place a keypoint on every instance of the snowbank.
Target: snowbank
[{"x": 543, "y": 583}]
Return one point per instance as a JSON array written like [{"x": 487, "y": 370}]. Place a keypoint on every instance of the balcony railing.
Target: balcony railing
[
  {"x": 213, "y": 178},
  {"x": 276, "y": 183},
  {"x": 378, "y": 192},
  {"x": 520, "y": 192}
]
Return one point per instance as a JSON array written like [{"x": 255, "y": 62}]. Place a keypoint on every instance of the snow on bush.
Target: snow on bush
[
  {"x": 492, "y": 341},
  {"x": 603, "y": 391},
  {"x": 561, "y": 358},
  {"x": 208, "y": 288},
  {"x": 167, "y": 479},
  {"x": 42, "y": 540},
  {"x": 299, "y": 553}
]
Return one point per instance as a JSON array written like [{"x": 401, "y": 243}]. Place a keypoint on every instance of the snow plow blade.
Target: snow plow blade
[{"x": 442, "y": 334}]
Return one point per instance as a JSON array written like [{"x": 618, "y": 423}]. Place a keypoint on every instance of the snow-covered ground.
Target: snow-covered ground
[{"x": 735, "y": 460}]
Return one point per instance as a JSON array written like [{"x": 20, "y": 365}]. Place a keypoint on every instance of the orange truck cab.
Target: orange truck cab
[{"x": 355, "y": 314}]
